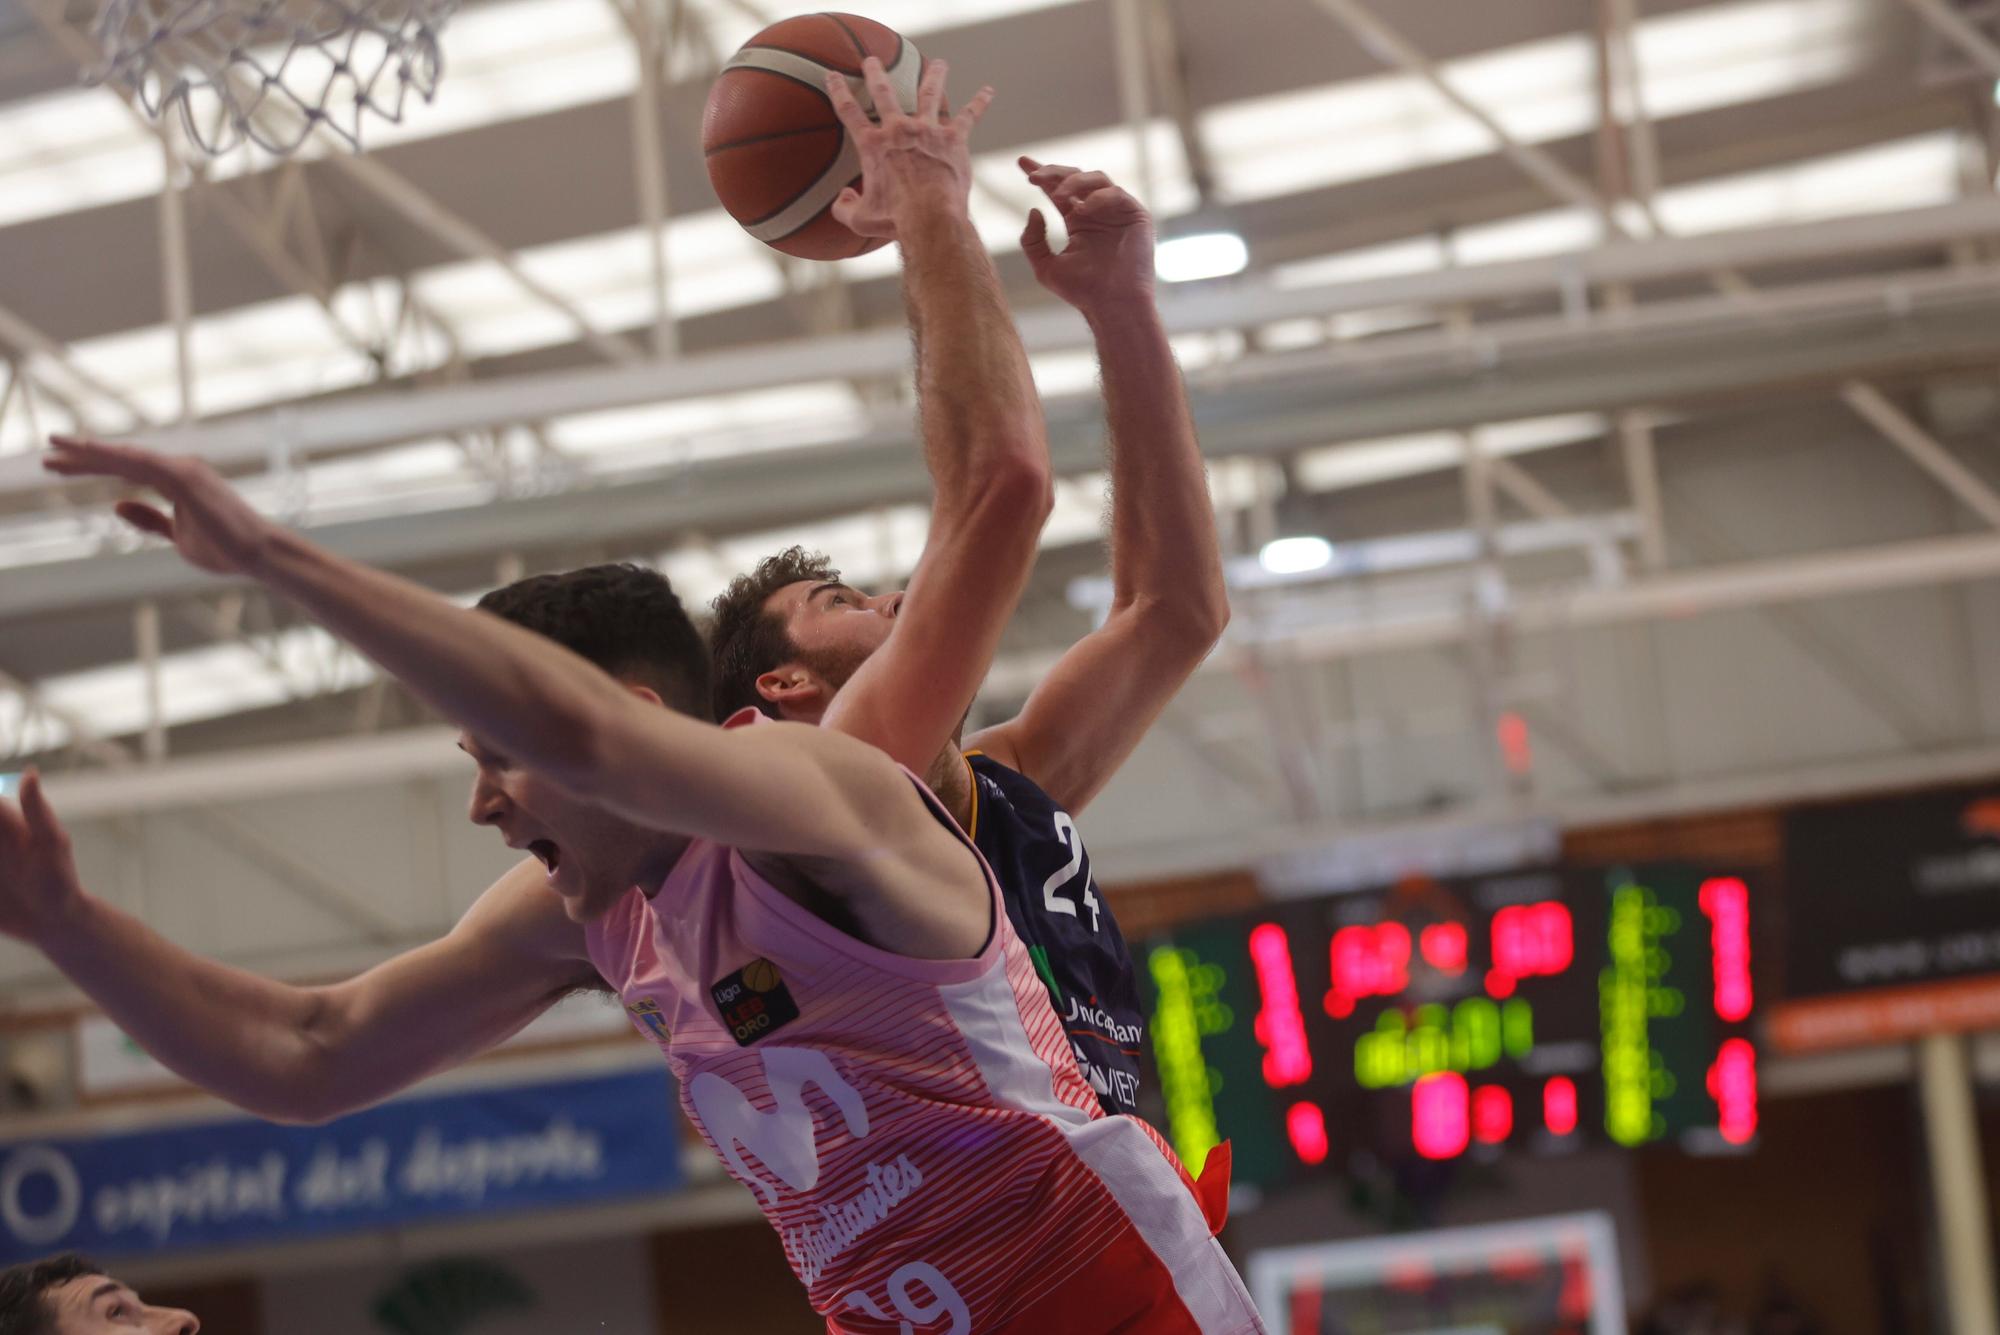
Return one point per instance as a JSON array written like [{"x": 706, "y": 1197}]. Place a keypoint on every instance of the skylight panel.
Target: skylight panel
[
  {"x": 730, "y": 24},
  {"x": 718, "y": 425},
  {"x": 1364, "y": 462},
  {"x": 1719, "y": 55},
  {"x": 1536, "y": 234},
  {"x": 73, "y": 150},
  {"x": 1417, "y": 254},
  {"x": 1908, "y": 173}
]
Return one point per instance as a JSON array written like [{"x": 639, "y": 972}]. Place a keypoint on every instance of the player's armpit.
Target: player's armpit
[{"x": 1086, "y": 717}]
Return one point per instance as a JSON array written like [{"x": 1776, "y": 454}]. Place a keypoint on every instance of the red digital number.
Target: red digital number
[
  {"x": 1441, "y": 1115},
  {"x": 1281, "y": 1026},
  {"x": 1732, "y": 1083},
  {"x": 1529, "y": 940},
  {"x": 1367, "y": 962},
  {"x": 1559, "y": 1105},
  {"x": 1305, "y": 1125},
  {"x": 1444, "y": 945},
  {"x": 1492, "y": 1114},
  {"x": 1726, "y": 901}
]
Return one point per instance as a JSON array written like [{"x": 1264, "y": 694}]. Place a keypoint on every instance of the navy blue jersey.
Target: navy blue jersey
[{"x": 1044, "y": 876}]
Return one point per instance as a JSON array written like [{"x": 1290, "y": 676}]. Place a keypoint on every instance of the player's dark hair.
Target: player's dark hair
[
  {"x": 746, "y": 641},
  {"x": 625, "y": 618},
  {"x": 23, "y": 1310}
]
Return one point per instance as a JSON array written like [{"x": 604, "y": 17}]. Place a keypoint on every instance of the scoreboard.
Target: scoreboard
[{"x": 1540, "y": 1010}]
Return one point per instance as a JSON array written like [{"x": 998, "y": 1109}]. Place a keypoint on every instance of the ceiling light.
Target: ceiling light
[
  {"x": 1295, "y": 556},
  {"x": 1184, "y": 259}
]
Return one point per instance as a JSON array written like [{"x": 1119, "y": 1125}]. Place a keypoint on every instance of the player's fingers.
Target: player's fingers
[
  {"x": 1108, "y": 202},
  {"x": 1035, "y": 238},
  {"x": 844, "y": 205},
  {"x": 146, "y": 518},
  {"x": 930, "y": 91},
  {"x": 969, "y": 114},
  {"x": 887, "y": 106},
  {"x": 43, "y": 827},
  {"x": 1075, "y": 187},
  {"x": 75, "y": 456},
  {"x": 845, "y": 105},
  {"x": 1048, "y": 178}
]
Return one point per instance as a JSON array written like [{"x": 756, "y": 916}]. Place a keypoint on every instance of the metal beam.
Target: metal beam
[
  {"x": 1522, "y": 485},
  {"x": 387, "y": 417},
  {"x": 267, "y": 243},
  {"x": 30, "y": 341},
  {"x": 176, "y": 281},
  {"x": 217, "y": 822},
  {"x": 1656, "y": 355},
  {"x": 651, "y": 46},
  {"x": 1642, "y": 476},
  {"x": 1960, "y": 33},
  {"x": 1392, "y": 48},
  {"x": 1924, "y": 449},
  {"x": 1130, "y": 57}
]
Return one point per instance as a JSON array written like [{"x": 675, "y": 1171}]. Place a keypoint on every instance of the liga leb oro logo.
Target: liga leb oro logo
[
  {"x": 754, "y": 1001},
  {"x": 647, "y": 1012}
]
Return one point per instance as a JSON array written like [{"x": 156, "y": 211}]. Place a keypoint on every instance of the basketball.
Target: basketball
[
  {"x": 777, "y": 155},
  {"x": 760, "y": 975}
]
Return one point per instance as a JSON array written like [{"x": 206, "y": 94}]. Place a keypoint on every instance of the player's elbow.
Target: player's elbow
[
  {"x": 1188, "y": 624},
  {"x": 1017, "y": 493}
]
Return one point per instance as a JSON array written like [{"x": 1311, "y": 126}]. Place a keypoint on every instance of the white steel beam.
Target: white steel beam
[
  {"x": 1924, "y": 449},
  {"x": 1960, "y": 33},
  {"x": 1426, "y": 383},
  {"x": 418, "y": 752},
  {"x": 1642, "y": 475},
  {"x": 390, "y": 416}
]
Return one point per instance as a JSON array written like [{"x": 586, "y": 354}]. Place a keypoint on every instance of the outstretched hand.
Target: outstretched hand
[
  {"x": 1109, "y": 257},
  {"x": 37, "y": 872},
  {"x": 213, "y": 526},
  {"x": 909, "y": 159}
]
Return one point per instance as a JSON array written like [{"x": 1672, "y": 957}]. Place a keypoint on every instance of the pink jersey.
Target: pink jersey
[{"x": 917, "y": 1131}]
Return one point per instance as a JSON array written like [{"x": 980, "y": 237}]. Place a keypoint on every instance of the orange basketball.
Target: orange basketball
[{"x": 777, "y": 155}]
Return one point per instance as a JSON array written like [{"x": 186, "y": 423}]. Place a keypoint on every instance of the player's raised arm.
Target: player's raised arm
[
  {"x": 1169, "y": 604},
  {"x": 292, "y": 1054},
  {"x": 984, "y": 438},
  {"x": 789, "y": 792}
]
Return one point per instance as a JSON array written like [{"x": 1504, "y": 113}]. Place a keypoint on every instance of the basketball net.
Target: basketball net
[{"x": 269, "y": 72}]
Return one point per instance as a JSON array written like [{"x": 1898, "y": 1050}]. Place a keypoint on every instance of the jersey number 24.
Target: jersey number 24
[{"x": 1052, "y": 898}]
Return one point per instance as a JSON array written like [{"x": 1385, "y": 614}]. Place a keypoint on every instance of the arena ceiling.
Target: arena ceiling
[{"x": 1530, "y": 226}]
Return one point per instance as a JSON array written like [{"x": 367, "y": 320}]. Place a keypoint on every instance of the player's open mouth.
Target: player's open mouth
[{"x": 550, "y": 855}]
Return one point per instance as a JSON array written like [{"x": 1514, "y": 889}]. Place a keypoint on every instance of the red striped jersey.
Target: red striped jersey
[{"x": 916, "y": 1130}]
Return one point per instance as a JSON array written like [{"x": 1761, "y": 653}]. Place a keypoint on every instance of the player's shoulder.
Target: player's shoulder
[
  {"x": 1002, "y": 775},
  {"x": 1002, "y": 791}
]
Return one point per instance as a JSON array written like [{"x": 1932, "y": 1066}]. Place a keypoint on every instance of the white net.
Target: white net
[{"x": 270, "y": 71}]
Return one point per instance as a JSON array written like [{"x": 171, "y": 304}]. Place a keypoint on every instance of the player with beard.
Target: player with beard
[{"x": 900, "y": 669}]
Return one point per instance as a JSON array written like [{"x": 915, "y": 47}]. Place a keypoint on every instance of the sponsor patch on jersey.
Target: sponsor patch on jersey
[
  {"x": 754, "y": 1001},
  {"x": 648, "y": 1013}
]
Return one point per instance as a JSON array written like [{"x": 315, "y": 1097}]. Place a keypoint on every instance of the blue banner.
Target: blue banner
[{"x": 217, "y": 1184}]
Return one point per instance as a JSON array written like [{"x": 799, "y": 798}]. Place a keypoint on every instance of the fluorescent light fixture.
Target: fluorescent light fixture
[
  {"x": 1295, "y": 556},
  {"x": 1185, "y": 259}
]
